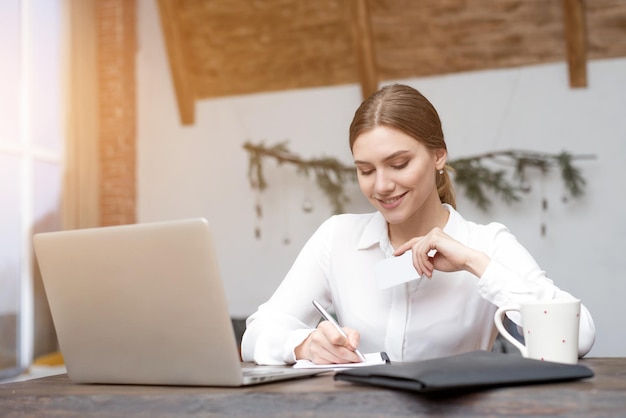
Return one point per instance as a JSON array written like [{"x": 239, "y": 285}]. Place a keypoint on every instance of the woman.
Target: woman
[{"x": 467, "y": 270}]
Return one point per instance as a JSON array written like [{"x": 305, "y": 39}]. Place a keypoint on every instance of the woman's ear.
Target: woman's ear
[{"x": 441, "y": 156}]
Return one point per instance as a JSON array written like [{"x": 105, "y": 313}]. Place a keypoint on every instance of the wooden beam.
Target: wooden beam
[
  {"x": 180, "y": 75},
  {"x": 364, "y": 43},
  {"x": 81, "y": 184},
  {"x": 576, "y": 40}
]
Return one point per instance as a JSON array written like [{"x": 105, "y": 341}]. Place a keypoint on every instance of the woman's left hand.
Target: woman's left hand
[{"x": 438, "y": 251}]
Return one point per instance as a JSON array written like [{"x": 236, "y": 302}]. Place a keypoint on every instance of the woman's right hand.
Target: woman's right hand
[{"x": 326, "y": 345}]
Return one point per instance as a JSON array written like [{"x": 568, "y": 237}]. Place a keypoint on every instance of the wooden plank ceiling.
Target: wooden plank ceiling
[{"x": 232, "y": 47}]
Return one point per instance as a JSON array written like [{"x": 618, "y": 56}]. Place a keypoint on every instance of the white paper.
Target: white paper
[
  {"x": 371, "y": 359},
  {"x": 395, "y": 270}
]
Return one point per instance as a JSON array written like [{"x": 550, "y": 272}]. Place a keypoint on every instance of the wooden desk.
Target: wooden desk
[{"x": 601, "y": 396}]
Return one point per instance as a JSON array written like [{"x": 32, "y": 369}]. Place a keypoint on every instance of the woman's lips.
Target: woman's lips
[{"x": 391, "y": 202}]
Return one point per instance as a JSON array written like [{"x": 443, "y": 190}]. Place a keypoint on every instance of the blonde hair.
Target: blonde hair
[{"x": 405, "y": 109}]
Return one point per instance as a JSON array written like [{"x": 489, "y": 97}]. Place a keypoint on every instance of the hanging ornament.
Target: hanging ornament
[
  {"x": 307, "y": 205},
  {"x": 285, "y": 204},
  {"x": 259, "y": 214},
  {"x": 544, "y": 209}
]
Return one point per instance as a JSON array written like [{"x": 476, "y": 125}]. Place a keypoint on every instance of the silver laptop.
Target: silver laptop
[{"x": 144, "y": 304}]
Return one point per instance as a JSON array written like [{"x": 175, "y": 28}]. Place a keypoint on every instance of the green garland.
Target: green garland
[{"x": 471, "y": 174}]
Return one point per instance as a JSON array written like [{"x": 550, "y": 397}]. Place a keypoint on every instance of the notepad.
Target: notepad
[{"x": 371, "y": 359}]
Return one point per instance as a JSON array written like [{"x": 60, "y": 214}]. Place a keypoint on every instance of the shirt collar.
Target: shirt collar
[
  {"x": 456, "y": 226},
  {"x": 376, "y": 231}
]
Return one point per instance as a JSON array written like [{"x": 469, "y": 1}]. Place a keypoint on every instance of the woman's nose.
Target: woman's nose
[{"x": 384, "y": 182}]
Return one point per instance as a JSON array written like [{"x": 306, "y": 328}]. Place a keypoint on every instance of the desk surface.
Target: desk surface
[{"x": 56, "y": 396}]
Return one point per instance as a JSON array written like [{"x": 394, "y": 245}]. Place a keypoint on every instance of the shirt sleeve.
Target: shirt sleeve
[
  {"x": 513, "y": 277},
  {"x": 288, "y": 317}
]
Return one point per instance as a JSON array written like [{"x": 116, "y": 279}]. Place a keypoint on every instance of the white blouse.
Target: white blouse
[{"x": 424, "y": 318}]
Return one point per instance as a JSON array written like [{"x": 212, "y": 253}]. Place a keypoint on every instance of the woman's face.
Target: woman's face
[{"x": 396, "y": 173}]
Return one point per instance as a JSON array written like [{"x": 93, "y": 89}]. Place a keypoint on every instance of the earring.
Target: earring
[{"x": 440, "y": 171}]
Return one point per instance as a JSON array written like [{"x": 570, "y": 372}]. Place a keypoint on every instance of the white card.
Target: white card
[{"x": 395, "y": 270}]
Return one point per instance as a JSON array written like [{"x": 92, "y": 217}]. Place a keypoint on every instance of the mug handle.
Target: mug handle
[{"x": 498, "y": 317}]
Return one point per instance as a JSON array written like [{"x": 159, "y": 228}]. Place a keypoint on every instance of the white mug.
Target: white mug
[{"x": 550, "y": 329}]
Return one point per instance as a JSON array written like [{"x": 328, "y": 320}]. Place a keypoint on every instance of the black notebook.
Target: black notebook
[{"x": 464, "y": 372}]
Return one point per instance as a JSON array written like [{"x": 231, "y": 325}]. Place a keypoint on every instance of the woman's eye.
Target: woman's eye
[
  {"x": 400, "y": 166},
  {"x": 365, "y": 172}
]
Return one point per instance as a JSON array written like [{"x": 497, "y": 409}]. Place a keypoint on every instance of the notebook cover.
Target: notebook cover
[{"x": 465, "y": 372}]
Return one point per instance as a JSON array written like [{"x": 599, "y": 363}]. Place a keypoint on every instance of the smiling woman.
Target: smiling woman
[{"x": 464, "y": 271}]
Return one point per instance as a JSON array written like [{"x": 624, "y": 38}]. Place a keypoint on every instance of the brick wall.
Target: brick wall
[{"x": 117, "y": 46}]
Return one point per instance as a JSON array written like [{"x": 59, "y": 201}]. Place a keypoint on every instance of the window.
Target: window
[{"x": 31, "y": 150}]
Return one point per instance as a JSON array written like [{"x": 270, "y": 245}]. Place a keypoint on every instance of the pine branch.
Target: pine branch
[
  {"x": 474, "y": 177},
  {"x": 472, "y": 174},
  {"x": 330, "y": 173}
]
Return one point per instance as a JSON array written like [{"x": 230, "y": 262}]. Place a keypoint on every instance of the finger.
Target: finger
[
  {"x": 427, "y": 265},
  {"x": 422, "y": 262},
  {"x": 404, "y": 247},
  {"x": 353, "y": 338},
  {"x": 321, "y": 352},
  {"x": 320, "y": 349},
  {"x": 331, "y": 334},
  {"x": 416, "y": 261},
  {"x": 428, "y": 269},
  {"x": 320, "y": 356},
  {"x": 340, "y": 349}
]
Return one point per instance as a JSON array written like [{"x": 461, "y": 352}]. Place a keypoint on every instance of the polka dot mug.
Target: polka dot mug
[{"x": 550, "y": 329}]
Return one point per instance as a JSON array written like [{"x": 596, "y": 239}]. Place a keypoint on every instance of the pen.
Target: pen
[{"x": 330, "y": 319}]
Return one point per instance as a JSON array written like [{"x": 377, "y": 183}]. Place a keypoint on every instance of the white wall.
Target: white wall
[{"x": 201, "y": 170}]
